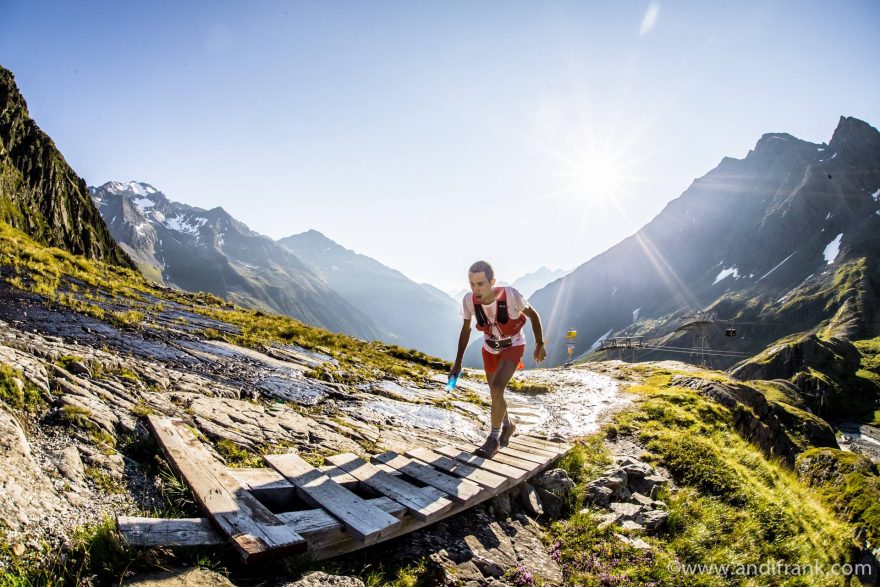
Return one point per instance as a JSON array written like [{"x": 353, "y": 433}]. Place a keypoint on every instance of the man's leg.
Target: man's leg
[
  {"x": 489, "y": 376},
  {"x": 497, "y": 385}
]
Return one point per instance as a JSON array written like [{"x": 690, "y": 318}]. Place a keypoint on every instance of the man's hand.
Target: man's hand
[{"x": 540, "y": 353}]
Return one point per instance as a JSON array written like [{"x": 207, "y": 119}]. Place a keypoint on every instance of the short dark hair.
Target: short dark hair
[{"x": 483, "y": 267}]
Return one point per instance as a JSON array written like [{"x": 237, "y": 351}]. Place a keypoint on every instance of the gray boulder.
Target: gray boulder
[{"x": 553, "y": 488}]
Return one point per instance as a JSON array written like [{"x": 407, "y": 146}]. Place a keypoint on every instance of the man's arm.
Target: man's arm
[
  {"x": 463, "y": 338},
  {"x": 538, "y": 330}
]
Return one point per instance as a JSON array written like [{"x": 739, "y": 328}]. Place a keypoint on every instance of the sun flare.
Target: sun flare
[{"x": 598, "y": 176}]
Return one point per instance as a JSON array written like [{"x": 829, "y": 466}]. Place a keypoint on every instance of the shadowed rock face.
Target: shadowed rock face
[
  {"x": 39, "y": 193},
  {"x": 779, "y": 241}
]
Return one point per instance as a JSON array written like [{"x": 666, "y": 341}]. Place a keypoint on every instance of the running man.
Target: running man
[{"x": 501, "y": 313}]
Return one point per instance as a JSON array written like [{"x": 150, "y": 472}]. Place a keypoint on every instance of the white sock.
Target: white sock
[{"x": 496, "y": 433}]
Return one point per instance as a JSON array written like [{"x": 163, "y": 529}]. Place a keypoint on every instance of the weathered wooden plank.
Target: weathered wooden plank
[
  {"x": 487, "y": 465},
  {"x": 334, "y": 546},
  {"x": 503, "y": 458},
  {"x": 552, "y": 444},
  {"x": 313, "y": 525},
  {"x": 460, "y": 490},
  {"x": 549, "y": 444},
  {"x": 254, "y": 530},
  {"x": 361, "y": 519},
  {"x": 524, "y": 455},
  {"x": 459, "y": 469},
  {"x": 422, "y": 503},
  {"x": 164, "y": 532},
  {"x": 538, "y": 450},
  {"x": 339, "y": 476}
]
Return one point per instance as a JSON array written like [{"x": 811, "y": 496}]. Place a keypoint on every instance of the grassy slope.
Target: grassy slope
[
  {"x": 78, "y": 283},
  {"x": 734, "y": 506}
]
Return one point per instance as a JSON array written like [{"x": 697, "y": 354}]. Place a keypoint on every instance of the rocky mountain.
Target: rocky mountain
[
  {"x": 39, "y": 192},
  {"x": 420, "y": 315},
  {"x": 785, "y": 240},
  {"x": 532, "y": 282},
  {"x": 209, "y": 250}
]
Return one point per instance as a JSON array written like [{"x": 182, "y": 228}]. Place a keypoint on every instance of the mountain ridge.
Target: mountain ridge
[
  {"x": 209, "y": 250},
  {"x": 740, "y": 238},
  {"x": 420, "y": 315}
]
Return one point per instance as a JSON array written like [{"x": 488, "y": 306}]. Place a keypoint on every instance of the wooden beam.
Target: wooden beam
[
  {"x": 538, "y": 450},
  {"x": 361, "y": 519},
  {"x": 169, "y": 532},
  {"x": 459, "y": 490},
  {"x": 551, "y": 444},
  {"x": 459, "y": 469},
  {"x": 523, "y": 454},
  {"x": 314, "y": 525},
  {"x": 254, "y": 531},
  {"x": 423, "y": 504},
  {"x": 505, "y": 458},
  {"x": 485, "y": 464}
]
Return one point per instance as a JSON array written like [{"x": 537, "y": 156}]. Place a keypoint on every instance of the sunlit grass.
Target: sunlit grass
[
  {"x": 80, "y": 284},
  {"x": 734, "y": 504}
]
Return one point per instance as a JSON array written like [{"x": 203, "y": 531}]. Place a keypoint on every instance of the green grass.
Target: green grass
[
  {"x": 19, "y": 393},
  {"x": 528, "y": 386},
  {"x": 237, "y": 456},
  {"x": 78, "y": 418},
  {"x": 104, "y": 481},
  {"x": 95, "y": 556},
  {"x": 735, "y": 505},
  {"x": 409, "y": 575},
  {"x": 849, "y": 482}
]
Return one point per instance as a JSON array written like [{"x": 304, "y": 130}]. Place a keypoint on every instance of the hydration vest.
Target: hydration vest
[{"x": 507, "y": 326}]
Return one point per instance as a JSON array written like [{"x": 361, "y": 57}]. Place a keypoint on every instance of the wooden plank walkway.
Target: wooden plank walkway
[
  {"x": 252, "y": 528},
  {"x": 341, "y": 507}
]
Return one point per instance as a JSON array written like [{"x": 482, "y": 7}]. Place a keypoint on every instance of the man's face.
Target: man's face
[{"x": 480, "y": 286}]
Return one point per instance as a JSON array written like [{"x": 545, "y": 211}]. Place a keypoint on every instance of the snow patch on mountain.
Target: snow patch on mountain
[
  {"x": 143, "y": 204},
  {"x": 832, "y": 249},
  {"x": 725, "y": 273},
  {"x": 185, "y": 225}
]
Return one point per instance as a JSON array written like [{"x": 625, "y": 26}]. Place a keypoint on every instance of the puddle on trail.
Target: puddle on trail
[
  {"x": 579, "y": 401},
  {"x": 389, "y": 412}
]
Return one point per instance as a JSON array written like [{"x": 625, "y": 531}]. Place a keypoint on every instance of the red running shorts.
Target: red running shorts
[{"x": 513, "y": 354}]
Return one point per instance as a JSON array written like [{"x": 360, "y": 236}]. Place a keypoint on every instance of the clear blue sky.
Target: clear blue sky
[{"x": 431, "y": 134}]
